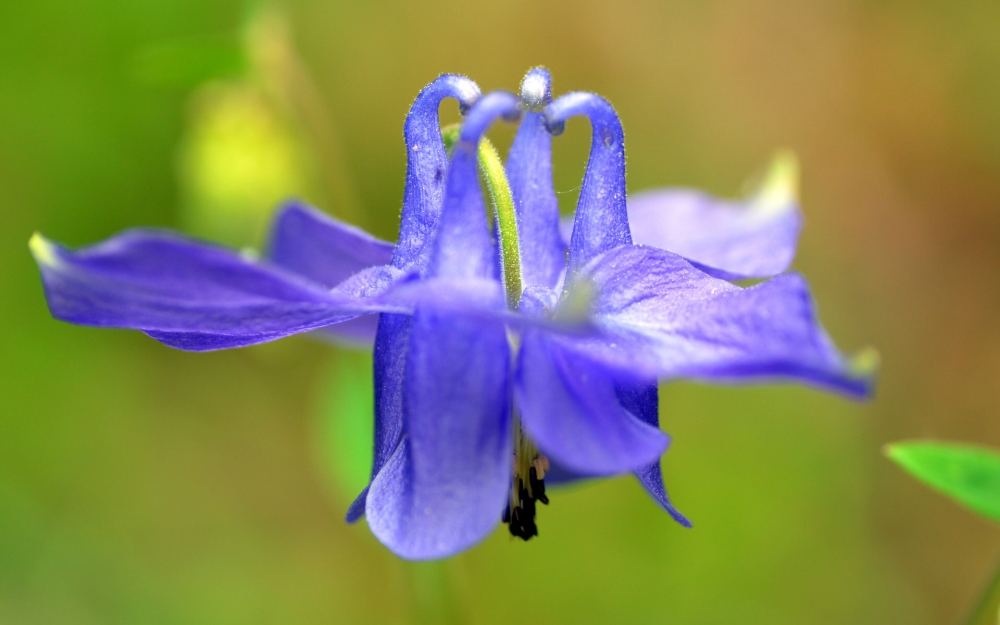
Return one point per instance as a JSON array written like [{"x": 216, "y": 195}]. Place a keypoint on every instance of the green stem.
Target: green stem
[
  {"x": 433, "y": 595},
  {"x": 986, "y": 609},
  {"x": 503, "y": 206}
]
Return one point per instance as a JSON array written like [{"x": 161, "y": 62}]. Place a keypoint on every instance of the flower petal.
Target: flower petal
[
  {"x": 664, "y": 318},
  {"x": 751, "y": 238},
  {"x": 480, "y": 300},
  {"x": 423, "y": 198},
  {"x": 444, "y": 487},
  {"x": 601, "y": 221},
  {"x": 463, "y": 246},
  {"x": 426, "y": 168},
  {"x": 445, "y": 208},
  {"x": 643, "y": 404},
  {"x": 473, "y": 298},
  {"x": 642, "y": 400},
  {"x": 568, "y": 406},
  {"x": 327, "y": 251},
  {"x": 529, "y": 170},
  {"x": 361, "y": 294},
  {"x": 192, "y": 295},
  {"x": 310, "y": 243}
]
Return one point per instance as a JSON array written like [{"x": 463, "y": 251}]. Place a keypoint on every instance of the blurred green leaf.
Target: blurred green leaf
[
  {"x": 190, "y": 62},
  {"x": 966, "y": 473},
  {"x": 347, "y": 422},
  {"x": 239, "y": 157}
]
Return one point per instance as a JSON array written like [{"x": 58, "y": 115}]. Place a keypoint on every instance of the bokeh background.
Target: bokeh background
[{"x": 144, "y": 485}]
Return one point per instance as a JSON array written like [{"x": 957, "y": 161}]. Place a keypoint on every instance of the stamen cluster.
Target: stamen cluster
[{"x": 519, "y": 514}]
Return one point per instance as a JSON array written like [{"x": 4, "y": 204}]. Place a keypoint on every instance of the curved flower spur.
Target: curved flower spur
[{"x": 475, "y": 401}]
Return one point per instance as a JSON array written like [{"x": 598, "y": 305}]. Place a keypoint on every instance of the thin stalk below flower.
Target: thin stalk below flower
[{"x": 987, "y": 609}]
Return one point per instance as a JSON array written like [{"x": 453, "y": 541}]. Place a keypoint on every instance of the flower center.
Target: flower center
[{"x": 527, "y": 485}]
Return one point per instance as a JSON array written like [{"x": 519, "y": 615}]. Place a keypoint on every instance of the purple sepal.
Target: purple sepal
[
  {"x": 732, "y": 240},
  {"x": 312, "y": 244},
  {"x": 663, "y": 318},
  {"x": 751, "y": 238},
  {"x": 642, "y": 400},
  {"x": 192, "y": 295},
  {"x": 357, "y": 508},
  {"x": 569, "y": 408}
]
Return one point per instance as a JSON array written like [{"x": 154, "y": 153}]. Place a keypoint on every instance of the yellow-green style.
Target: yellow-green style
[{"x": 503, "y": 206}]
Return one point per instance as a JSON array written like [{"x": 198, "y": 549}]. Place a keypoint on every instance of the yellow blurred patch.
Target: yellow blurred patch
[
  {"x": 865, "y": 362},
  {"x": 780, "y": 187},
  {"x": 239, "y": 159},
  {"x": 43, "y": 250}
]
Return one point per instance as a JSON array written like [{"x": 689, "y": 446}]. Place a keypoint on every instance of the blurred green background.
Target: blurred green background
[{"x": 144, "y": 485}]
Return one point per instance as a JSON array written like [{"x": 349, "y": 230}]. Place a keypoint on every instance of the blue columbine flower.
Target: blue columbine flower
[{"x": 478, "y": 401}]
